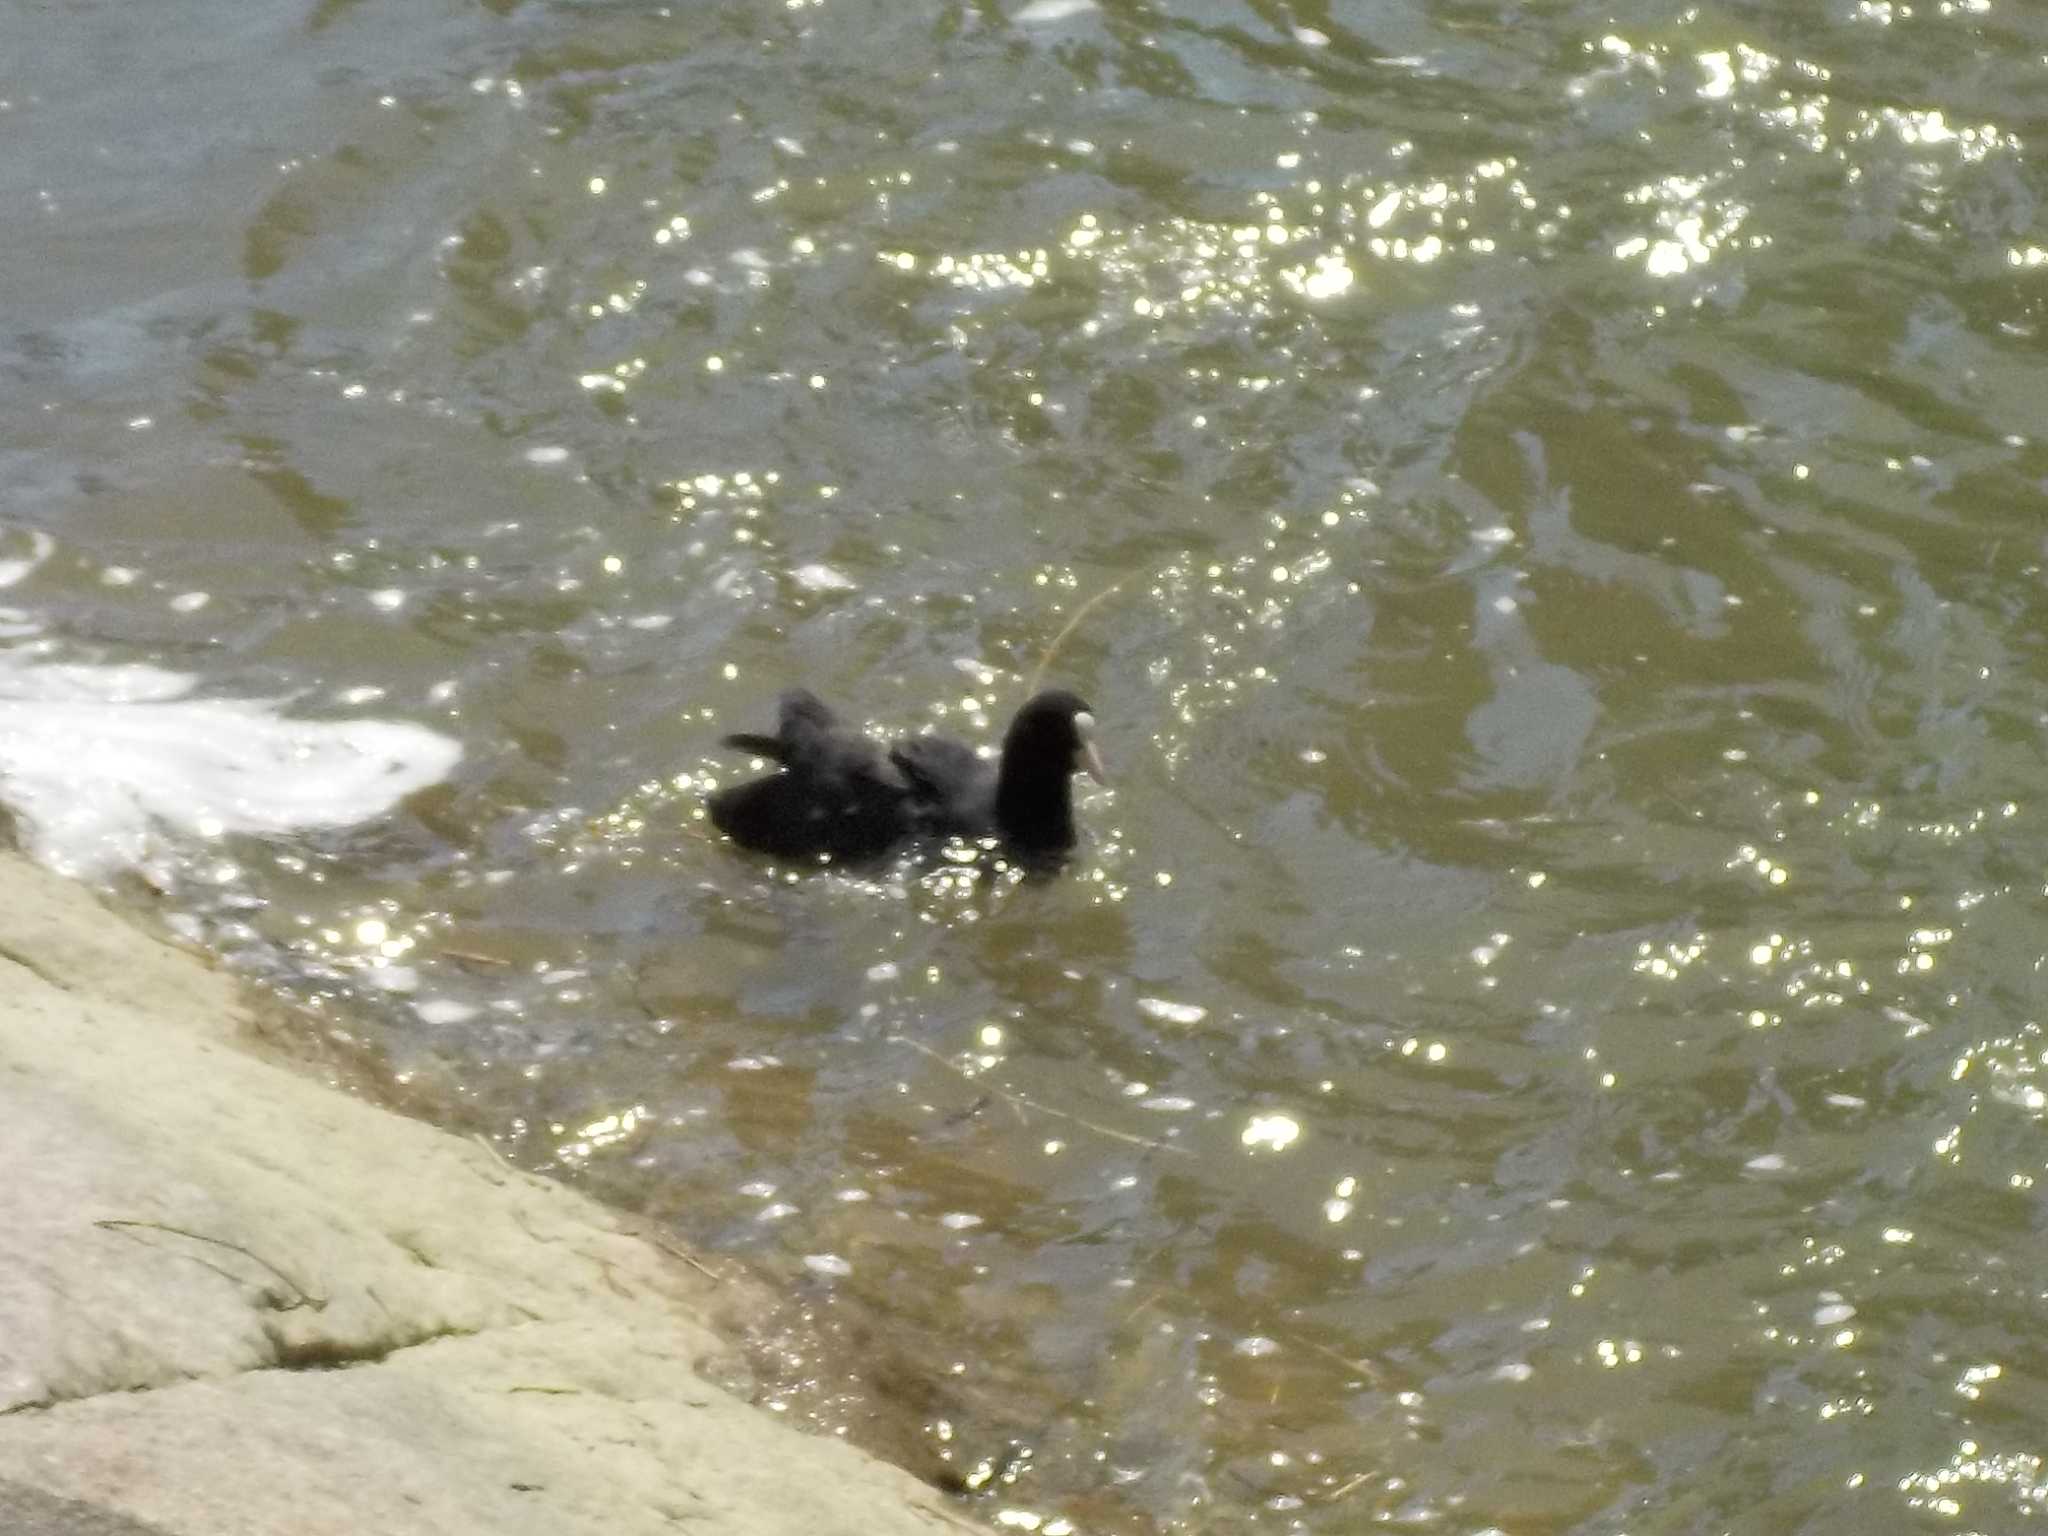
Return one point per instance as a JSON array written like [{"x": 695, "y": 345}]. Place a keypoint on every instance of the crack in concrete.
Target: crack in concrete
[
  {"x": 313, "y": 1354},
  {"x": 327, "y": 1354}
]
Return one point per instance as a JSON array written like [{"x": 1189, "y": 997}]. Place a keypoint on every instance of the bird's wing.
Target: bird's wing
[
  {"x": 802, "y": 722},
  {"x": 936, "y": 766}
]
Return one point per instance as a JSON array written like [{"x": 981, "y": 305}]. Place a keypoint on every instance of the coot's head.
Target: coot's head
[{"x": 1052, "y": 737}]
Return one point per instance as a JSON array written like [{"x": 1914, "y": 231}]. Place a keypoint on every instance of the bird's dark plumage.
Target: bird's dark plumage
[
  {"x": 837, "y": 798},
  {"x": 1025, "y": 798}
]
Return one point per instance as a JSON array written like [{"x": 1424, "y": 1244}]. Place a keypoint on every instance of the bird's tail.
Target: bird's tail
[{"x": 773, "y": 748}]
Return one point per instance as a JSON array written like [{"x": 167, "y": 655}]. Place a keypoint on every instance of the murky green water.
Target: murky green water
[{"x": 1546, "y": 1034}]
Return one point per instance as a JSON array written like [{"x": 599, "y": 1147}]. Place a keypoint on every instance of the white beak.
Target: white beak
[{"x": 1091, "y": 760}]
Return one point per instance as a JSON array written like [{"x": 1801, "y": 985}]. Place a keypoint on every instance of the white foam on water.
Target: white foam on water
[
  {"x": 13, "y": 621},
  {"x": 1043, "y": 12},
  {"x": 1169, "y": 1012},
  {"x": 97, "y": 762},
  {"x": 40, "y": 546},
  {"x": 818, "y": 577}
]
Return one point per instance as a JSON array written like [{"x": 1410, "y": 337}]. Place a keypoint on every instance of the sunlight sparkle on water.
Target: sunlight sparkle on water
[
  {"x": 1976, "y": 1474},
  {"x": 605, "y": 1131},
  {"x": 1330, "y": 275},
  {"x": 1169, "y": 1012},
  {"x": 1173, "y": 267},
  {"x": 1272, "y": 1132}
]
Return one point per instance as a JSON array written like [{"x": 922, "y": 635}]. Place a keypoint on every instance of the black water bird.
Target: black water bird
[
  {"x": 1025, "y": 799},
  {"x": 837, "y": 798}
]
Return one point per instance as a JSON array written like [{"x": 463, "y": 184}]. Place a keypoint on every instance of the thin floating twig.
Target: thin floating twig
[
  {"x": 1142, "y": 1307},
  {"x": 305, "y": 1297},
  {"x": 1022, "y": 1102},
  {"x": 1365, "y": 1368},
  {"x": 697, "y": 1264},
  {"x": 1070, "y": 626},
  {"x": 1350, "y": 1486}
]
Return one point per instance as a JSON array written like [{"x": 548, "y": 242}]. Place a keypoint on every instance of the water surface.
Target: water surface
[{"x": 1544, "y": 1033}]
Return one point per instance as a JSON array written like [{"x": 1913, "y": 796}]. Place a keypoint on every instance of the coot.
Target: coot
[{"x": 837, "y": 798}]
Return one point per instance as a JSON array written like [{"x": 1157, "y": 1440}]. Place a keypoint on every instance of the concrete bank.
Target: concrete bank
[{"x": 234, "y": 1300}]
